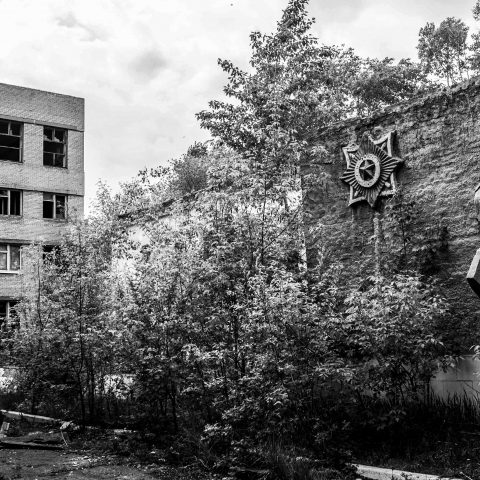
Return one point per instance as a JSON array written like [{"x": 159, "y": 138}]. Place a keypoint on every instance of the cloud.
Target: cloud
[
  {"x": 69, "y": 20},
  {"x": 147, "y": 65},
  {"x": 337, "y": 11}
]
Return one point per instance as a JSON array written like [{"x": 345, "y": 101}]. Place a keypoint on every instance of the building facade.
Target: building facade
[{"x": 41, "y": 176}]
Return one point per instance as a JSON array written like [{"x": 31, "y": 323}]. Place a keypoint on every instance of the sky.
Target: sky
[{"x": 145, "y": 67}]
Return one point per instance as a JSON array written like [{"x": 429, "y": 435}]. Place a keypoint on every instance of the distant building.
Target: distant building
[{"x": 41, "y": 176}]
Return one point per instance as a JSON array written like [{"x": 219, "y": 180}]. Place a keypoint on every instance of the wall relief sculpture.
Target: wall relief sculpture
[{"x": 371, "y": 169}]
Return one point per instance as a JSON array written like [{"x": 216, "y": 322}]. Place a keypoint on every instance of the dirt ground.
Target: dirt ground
[{"x": 42, "y": 464}]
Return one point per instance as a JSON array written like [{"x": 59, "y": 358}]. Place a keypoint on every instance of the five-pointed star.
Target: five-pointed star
[
  {"x": 372, "y": 177},
  {"x": 367, "y": 169}
]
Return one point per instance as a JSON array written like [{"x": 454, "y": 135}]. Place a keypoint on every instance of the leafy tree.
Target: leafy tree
[
  {"x": 443, "y": 50},
  {"x": 68, "y": 343},
  {"x": 475, "y": 45},
  {"x": 292, "y": 91},
  {"x": 382, "y": 82},
  {"x": 189, "y": 172},
  {"x": 233, "y": 337},
  {"x": 387, "y": 332}
]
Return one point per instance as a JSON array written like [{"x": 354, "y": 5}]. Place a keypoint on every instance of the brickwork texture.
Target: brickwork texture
[
  {"x": 36, "y": 109},
  {"x": 438, "y": 137}
]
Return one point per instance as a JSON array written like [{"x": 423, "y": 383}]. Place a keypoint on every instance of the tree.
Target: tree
[
  {"x": 382, "y": 82},
  {"x": 443, "y": 50},
  {"x": 68, "y": 342},
  {"x": 295, "y": 87},
  {"x": 293, "y": 90},
  {"x": 475, "y": 45},
  {"x": 189, "y": 172}
]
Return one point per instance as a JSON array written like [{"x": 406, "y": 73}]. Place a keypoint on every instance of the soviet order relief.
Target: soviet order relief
[{"x": 371, "y": 169}]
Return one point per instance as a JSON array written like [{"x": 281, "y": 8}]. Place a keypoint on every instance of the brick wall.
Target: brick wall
[
  {"x": 37, "y": 106},
  {"x": 438, "y": 138},
  {"x": 31, "y": 226},
  {"x": 35, "y": 109},
  {"x": 31, "y": 174}
]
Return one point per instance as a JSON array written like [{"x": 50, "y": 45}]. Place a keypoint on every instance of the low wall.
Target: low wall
[{"x": 463, "y": 379}]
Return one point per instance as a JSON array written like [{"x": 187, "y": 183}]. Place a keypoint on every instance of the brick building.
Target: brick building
[{"x": 41, "y": 175}]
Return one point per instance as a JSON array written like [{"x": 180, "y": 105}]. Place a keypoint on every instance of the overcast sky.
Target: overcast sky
[{"x": 145, "y": 67}]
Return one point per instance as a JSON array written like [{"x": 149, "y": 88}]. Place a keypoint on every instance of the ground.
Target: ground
[{"x": 42, "y": 464}]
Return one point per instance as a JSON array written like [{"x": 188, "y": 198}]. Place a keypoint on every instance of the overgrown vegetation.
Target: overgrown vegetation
[{"x": 213, "y": 336}]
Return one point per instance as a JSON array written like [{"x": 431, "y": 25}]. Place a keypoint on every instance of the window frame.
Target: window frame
[
  {"x": 9, "y": 202},
  {"x": 8, "y": 251},
  {"x": 64, "y": 143},
  {"x": 54, "y": 201},
  {"x": 9, "y": 134}
]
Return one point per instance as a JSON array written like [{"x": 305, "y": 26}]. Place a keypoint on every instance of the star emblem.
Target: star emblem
[{"x": 370, "y": 169}]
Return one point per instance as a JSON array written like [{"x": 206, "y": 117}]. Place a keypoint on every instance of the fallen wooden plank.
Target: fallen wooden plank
[
  {"x": 29, "y": 417},
  {"x": 4, "y": 443},
  {"x": 52, "y": 438},
  {"x": 376, "y": 473}
]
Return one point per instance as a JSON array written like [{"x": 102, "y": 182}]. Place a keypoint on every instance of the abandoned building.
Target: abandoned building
[{"x": 41, "y": 176}]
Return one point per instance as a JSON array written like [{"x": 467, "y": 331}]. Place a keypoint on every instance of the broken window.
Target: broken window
[
  {"x": 7, "y": 309},
  {"x": 54, "y": 206},
  {"x": 10, "y": 257},
  {"x": 10, "y": 202},
  {"x": 49, "y": 252},
  {"x": 54, "y": 147},
  {"x": 10, "y": 141}
]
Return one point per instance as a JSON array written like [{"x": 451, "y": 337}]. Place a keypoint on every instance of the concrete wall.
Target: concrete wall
[
  {"x": 36, "y": 109},
  {"x": 438, "y": 137},
  {"x": 462, "y": 379}
]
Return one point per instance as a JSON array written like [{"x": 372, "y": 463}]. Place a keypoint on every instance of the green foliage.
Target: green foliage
[
  {"x": 443, "y": 50},
  {"x": 382, "y": 82},
  {"x": 67, "y": 340},
  {"x": 412, "y": 243},
  {"x": 189, "y": 173},
  {"x": 234, "y": 338},
  {"x": 388, "y": 331}
]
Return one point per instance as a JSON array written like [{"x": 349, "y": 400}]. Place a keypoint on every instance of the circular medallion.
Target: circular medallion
[{"x": 367, "y": 170}]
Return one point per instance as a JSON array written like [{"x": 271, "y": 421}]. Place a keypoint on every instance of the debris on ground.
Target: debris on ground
[{"x": 24, "y": 430}]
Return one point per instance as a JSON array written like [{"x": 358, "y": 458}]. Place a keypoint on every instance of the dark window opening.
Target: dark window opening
[
  {"x": 8, "y": 312},
  {"x": 15, "y": 202},
  {"x": 51, "y": 253},
  {"x": 49, "y": 250},
  {"x": 4, "y": 202},
  {"x": 59, "y": 206},
  {"x": 10, "y": 141},
  {"x": 54, "y": 206},
  {"x": 54, "y": 147},
  {"x": 10, "y": 202}
]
